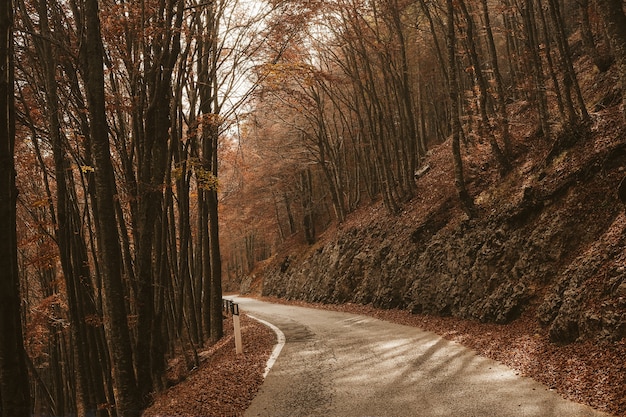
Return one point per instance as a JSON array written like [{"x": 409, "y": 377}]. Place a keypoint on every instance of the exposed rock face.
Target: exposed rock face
[{"x": 556, "y": 245}]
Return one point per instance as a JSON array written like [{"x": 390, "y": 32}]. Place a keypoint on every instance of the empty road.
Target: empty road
[{"x": 345, "y": 365}]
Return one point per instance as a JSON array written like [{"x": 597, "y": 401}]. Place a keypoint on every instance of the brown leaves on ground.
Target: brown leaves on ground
[
  {"x": 591, "y": 373},
  {"x": 225, "y": 383}
]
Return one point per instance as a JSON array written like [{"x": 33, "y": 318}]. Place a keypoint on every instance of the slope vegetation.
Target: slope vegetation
[{"x": 548, "y": 237}]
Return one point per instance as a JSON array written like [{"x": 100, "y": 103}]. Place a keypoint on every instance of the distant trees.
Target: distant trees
[{"x": 366, "y": 87}]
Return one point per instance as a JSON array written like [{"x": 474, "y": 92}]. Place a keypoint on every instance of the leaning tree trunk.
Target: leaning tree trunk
[{"x": 14, "y": 386}]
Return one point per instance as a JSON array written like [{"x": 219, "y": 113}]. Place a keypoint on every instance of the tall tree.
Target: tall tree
[
  {"x": 160, "y": 54},
  {"x": 69, "y": 235},
  {"x": 127, "y": 400},
  {"x": 210, "y": 109},
  {"x": 459, "y": 179},
  {"x": 485, "y": 124},
  {"x": 14, "y": 385}
]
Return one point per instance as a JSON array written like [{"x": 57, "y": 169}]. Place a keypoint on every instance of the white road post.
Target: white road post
[{"x": 237, "y": 329}]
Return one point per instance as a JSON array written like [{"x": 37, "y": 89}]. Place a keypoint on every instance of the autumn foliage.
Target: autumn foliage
[{"x": 163, "y": 145}]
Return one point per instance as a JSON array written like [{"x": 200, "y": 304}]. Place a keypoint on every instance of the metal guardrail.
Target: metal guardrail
[{"x": 230, "y": 307}]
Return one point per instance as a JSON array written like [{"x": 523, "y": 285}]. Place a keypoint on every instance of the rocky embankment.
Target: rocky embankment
[{"x": 549, "y": 236}]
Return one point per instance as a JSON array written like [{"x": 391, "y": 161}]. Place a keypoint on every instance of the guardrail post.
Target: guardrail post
[
  {"x": 233, "y": 308},
  {"x": 237, "y": 329}
]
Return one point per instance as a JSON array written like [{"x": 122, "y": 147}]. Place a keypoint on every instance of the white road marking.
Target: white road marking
[{"x": 279, "y": 345}]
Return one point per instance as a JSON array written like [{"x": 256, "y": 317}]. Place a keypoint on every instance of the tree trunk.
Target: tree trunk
[
  {"x": 208, "y": 173},
  {"x": 536, "y": 67},
  {"x": 612, "y": 12},
  {"x": 459, "y": 181},
  {"x": 71, "y": 243},
  {"x": 485, "y": 124},
  {"x": 306, "y": 188},
  {"x": 217, "y": 322},
  {"x": 499, "y": 83},
  {"x": 204, "y": 260},
  {"x": 601, "y": 60},
  {"x": 411, "y": 143},
  {"x": 551, "y": 66},
  {"x": 14, "y": 385},
  {"x": 290, "y": 216},
  {"x": 115, "y": 316},
  {"x": 570, "y": 80}
]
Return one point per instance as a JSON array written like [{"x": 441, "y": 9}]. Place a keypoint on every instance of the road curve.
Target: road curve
[{"x": 346, "y": 365}]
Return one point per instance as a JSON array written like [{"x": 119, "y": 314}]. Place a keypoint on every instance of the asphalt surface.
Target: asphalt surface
[{"x": 346, "y": 365}]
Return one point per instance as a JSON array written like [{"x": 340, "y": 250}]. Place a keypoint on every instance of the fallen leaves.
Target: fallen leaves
[
  {"x": 590, "y": 372},
  {"x": 225, "y": 383}
]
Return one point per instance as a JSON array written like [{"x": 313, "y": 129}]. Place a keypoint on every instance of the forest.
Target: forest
[{"x": 154, "y": 150}]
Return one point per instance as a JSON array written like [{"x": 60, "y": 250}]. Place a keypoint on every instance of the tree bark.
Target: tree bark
[
  {"x": 14, "y": 385},
  {"x": 210, "y": 110},
  {"x": 70, "y": 240},
  {"x": 459, "y": 180},
  {"x": 536, "y": 67},
  {"x": 115, "y": 315}
]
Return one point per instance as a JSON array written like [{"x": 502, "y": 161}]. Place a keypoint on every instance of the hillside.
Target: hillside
[
  {"x": 536, "y": 280},
  {"x": 548, "y": 237}
]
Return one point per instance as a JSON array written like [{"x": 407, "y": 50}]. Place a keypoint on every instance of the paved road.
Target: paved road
[{"x": 345, "y": 365}]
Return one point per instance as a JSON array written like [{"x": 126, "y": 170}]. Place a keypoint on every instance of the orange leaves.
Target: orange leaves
[
  {"x": 48, "y": 316},
  {"x": 40, "y": 203},
  {"x": 276, "y": 76},
  {"x": 211, "y": 119},
  {"x": 210, "y": 389},
  {"x": 205, "y": 179}
]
